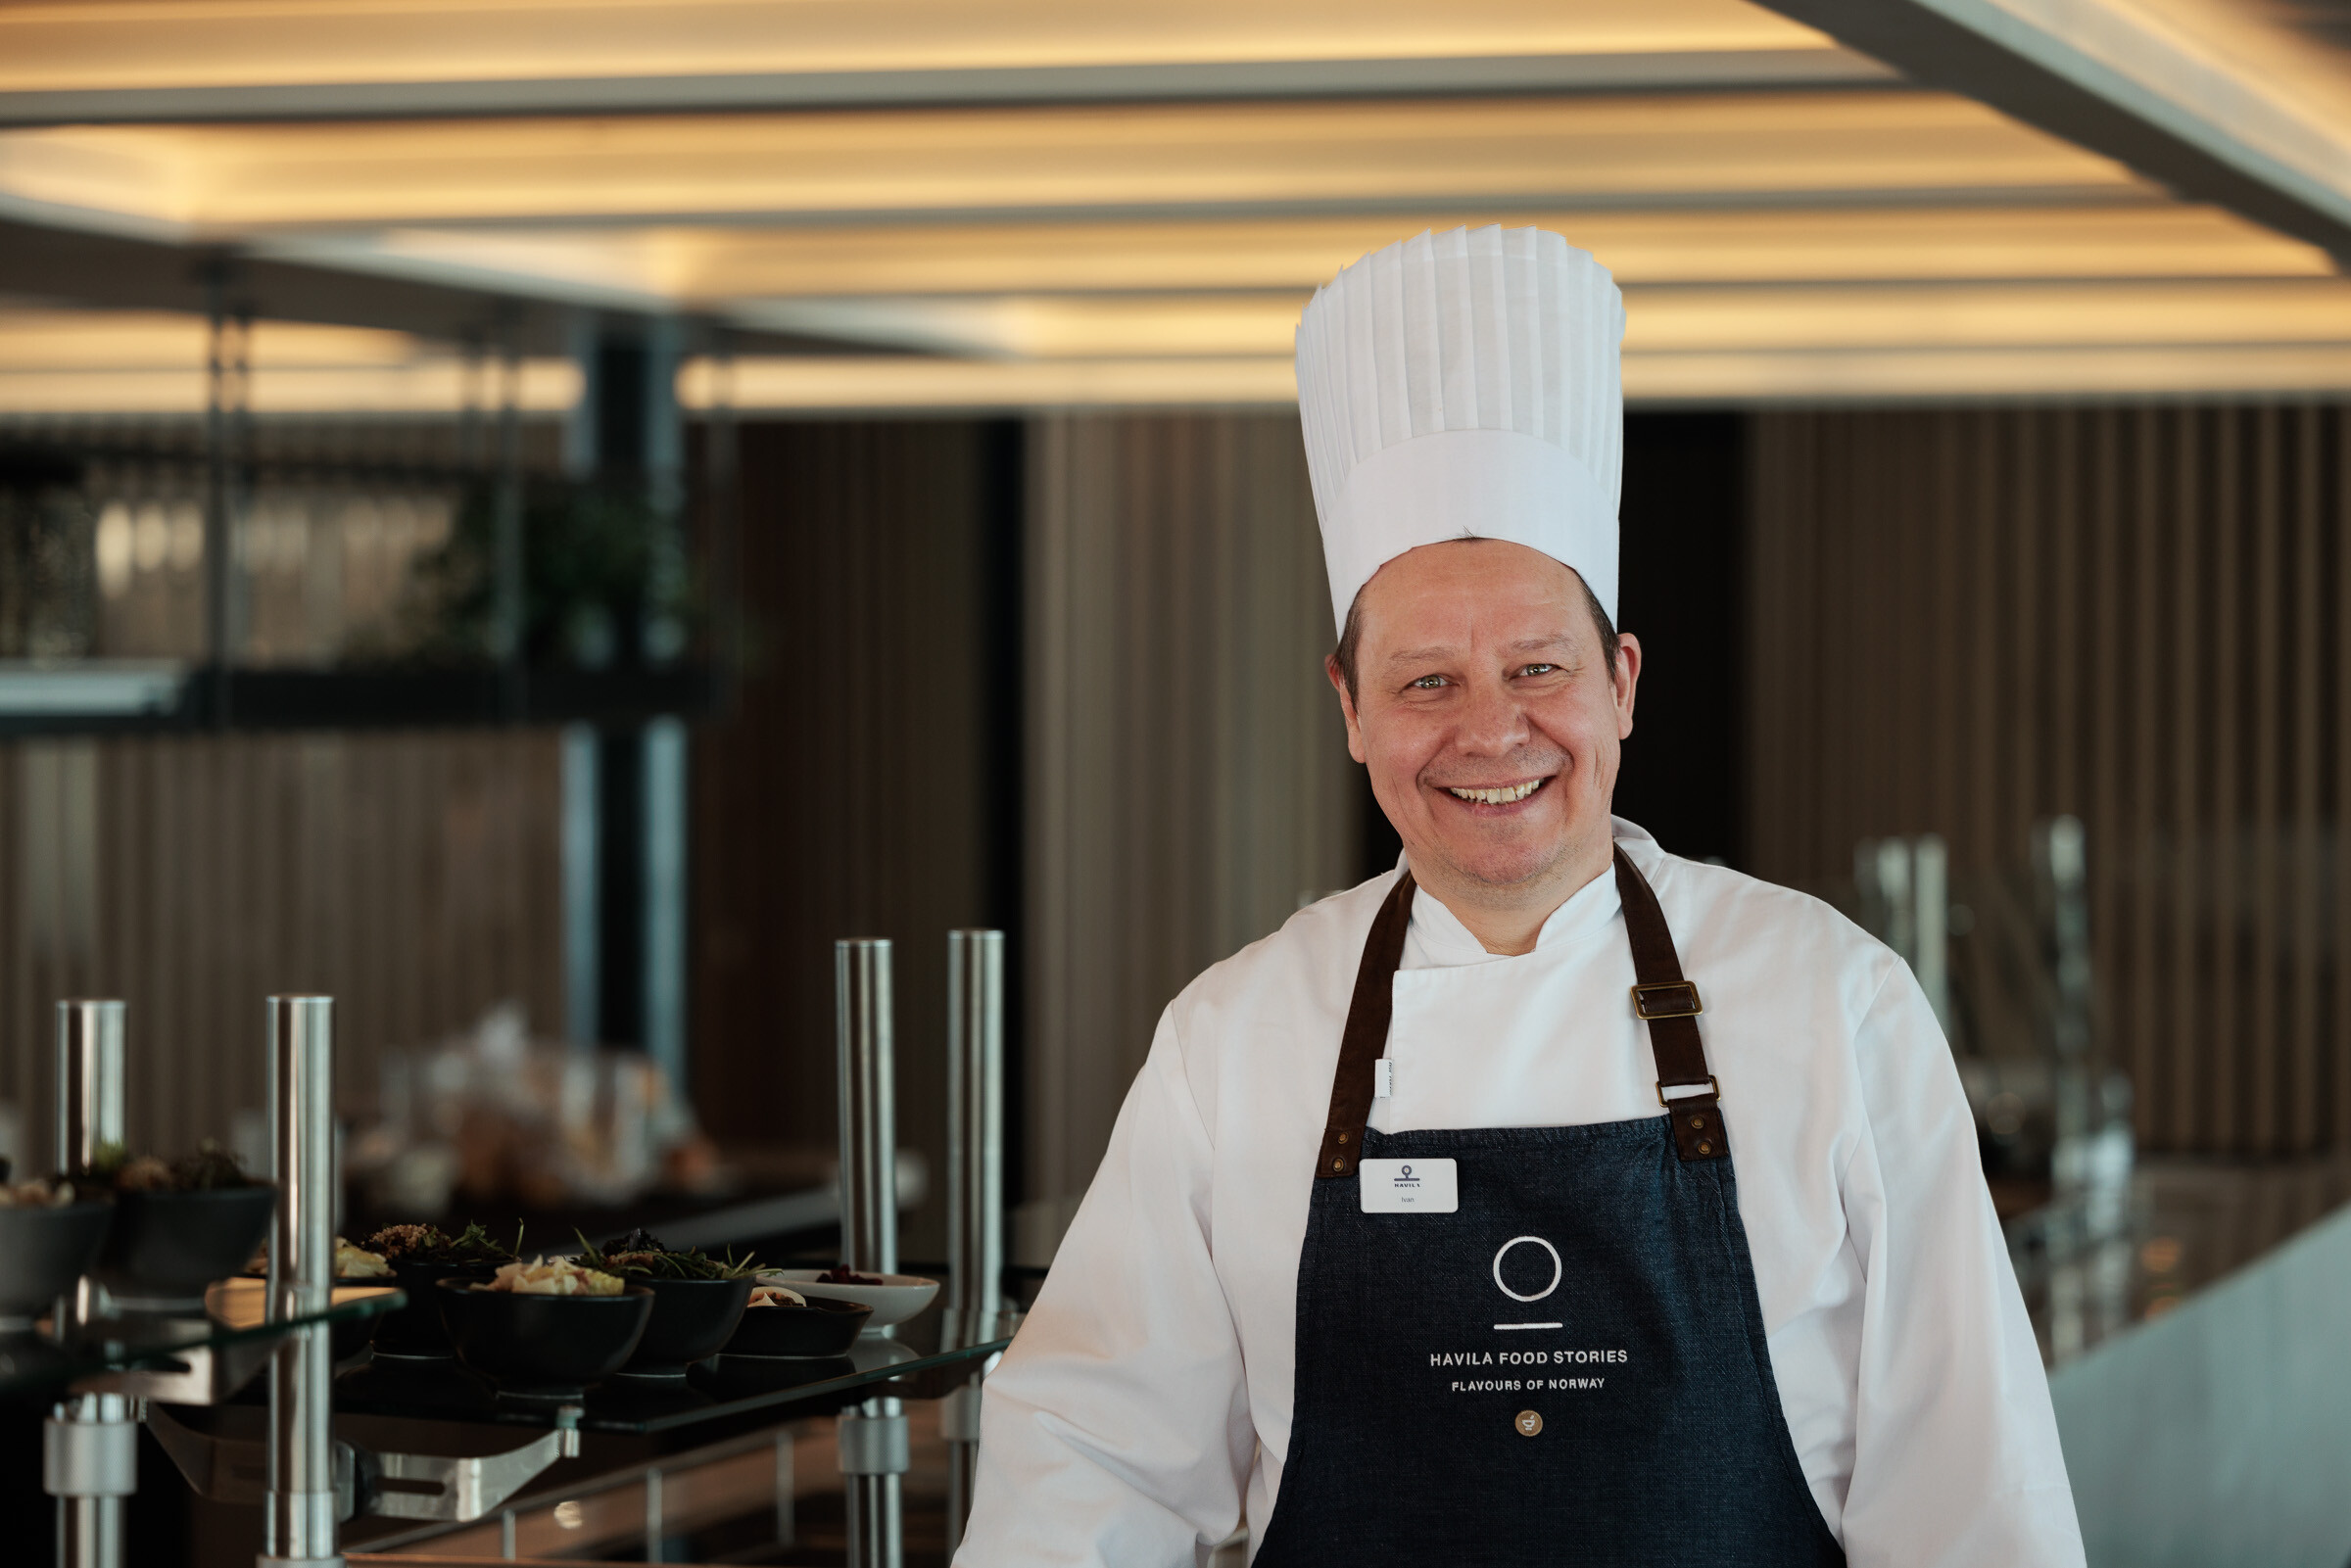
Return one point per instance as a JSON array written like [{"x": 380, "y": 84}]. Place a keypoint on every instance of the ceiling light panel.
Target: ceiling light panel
[
  {"x": 1657, "y": 321},
  {"x": 1871, "y": 376},
  {"x": 719, "y": 268},
  {"x": 1731, "y": 149},
  {"x": 120, "y": 44}
]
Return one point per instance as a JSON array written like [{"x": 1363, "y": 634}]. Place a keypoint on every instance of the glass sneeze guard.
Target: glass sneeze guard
[{"x": 235, "y": 1316}]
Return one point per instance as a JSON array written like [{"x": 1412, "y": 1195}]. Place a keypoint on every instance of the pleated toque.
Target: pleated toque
[{"x": 1464, "y": 385}]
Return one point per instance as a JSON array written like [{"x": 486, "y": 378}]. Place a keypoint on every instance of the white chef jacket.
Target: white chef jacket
[{"x": 1147, "y": 1399}]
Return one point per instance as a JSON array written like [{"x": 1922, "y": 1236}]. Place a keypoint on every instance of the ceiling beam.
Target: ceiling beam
[
  {"x": 2101, "y": 74},
  {"x": 95, "y": 270},
  {"x": 1658, "y": 71}
]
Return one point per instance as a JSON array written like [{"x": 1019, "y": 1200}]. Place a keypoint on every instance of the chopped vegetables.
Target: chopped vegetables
[
  {"x": 351, "y": 1262},
  {"x": 430, "y": 1243},
  {"x": 553, "y": 1276},
  {"x": 777, "y": 1295},
  {"x": 210, "y": 1169},
  {"x": 641, "y": 1254},
  {"x": 358, "y": 1262},
  {"x": 844, "y": 1275},
  {"x": 38, "y": 1193}
]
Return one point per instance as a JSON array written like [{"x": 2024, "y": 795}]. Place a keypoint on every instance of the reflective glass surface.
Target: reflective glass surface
[
  {"x": 234, "y": 1314},
  {"x": 908, "y": 1366}
]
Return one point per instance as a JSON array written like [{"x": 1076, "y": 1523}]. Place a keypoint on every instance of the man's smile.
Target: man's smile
[{"x": 1497, "y": 794}]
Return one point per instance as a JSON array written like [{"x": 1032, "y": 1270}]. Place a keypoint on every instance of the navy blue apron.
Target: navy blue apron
[{"x": 1570, "y": 1368}]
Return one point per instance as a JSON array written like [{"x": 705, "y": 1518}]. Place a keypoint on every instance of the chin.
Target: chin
[{"x": 1498, "y": 869}]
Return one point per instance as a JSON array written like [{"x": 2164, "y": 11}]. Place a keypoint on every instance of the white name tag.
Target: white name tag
[{"x": 1409, "y": 1187}]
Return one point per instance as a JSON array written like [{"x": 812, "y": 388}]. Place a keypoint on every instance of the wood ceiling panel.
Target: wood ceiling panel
[
  {"x": 1729, "y": 149},
  {"x": 722, "y": 267},
  {"x": 122, "y": 44}
]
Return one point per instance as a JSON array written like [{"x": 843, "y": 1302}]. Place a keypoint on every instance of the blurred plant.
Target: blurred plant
[
  {"x": 605, "y": 580},
  {"x": 48, "y": 558}
]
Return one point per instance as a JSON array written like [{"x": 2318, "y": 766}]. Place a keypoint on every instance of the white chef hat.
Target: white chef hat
[{"x": 1464, "y": 385}]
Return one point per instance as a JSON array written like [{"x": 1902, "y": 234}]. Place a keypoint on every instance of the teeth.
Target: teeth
[{"x": 1500, "y": 798}]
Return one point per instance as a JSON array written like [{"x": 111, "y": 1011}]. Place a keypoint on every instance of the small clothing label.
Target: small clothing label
[
  {"x": 1409, "y": 1187},
  {"x": 1383, "y": 1079}
]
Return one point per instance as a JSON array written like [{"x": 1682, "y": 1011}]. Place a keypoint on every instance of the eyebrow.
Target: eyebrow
[{"x": 1531, "y": 644}]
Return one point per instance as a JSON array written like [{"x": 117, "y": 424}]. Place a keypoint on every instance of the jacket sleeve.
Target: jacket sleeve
[
  {"x": 1116, "y": 1431},
  {"x": 1956, "y": 1461}
]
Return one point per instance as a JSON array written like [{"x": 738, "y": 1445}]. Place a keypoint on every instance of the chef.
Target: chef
[{"x": 1550, "y": 1199}]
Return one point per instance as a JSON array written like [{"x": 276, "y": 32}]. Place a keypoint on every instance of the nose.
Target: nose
[{"x": 1494, "y": 722}]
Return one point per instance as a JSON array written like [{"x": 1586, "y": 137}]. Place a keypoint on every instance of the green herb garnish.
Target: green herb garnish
[{"x": 642, "y": 1257}]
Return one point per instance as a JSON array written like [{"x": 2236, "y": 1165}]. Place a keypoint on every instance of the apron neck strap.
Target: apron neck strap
[
  {"x": 1670, "y": 1005},
  {"x": 1365, "y": 1039},
  {"x": 1662, "y": 998}
]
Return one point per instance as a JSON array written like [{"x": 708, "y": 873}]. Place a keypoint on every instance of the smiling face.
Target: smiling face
[{"x": 1489, "y": 720}]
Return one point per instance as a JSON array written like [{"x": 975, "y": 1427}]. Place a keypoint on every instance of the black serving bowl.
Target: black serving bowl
[
  {"x": 543, "y": 1347},
  {"x": 823, "y": 1327},
  {"x": 692, "y": 1321},
  {"x": 165, "y": 1246},
  {"x": 45, "y": 1251},
  {"x": 415, "y": 1330}
]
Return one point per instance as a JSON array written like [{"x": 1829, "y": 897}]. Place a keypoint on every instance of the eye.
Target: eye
[
  {"x": 1540, "y": 668},
  {"x": 1430, "y": 683}
]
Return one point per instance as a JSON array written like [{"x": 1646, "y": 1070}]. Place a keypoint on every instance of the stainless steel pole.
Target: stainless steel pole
[
  {"x": 974, "y": 1190},
  {"x": 90, "y": 1445},
  {"x": 89, "y": 1080},
  {"x": 298, "y": 1518},
  {"x": 874, "y": 1439},
  {"x": 869, "y": 1136}
]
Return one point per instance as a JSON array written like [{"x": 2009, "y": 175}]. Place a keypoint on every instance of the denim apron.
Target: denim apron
[{"x": 1570, "y": 1366}]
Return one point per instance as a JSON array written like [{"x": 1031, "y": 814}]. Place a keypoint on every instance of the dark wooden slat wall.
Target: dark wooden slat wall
[
  {"x": 1966, "y": 620},
  {"x": 416, "y": 879},
  {"x": 1187, "y": 770},
  {"x": 847, "y": 791}
]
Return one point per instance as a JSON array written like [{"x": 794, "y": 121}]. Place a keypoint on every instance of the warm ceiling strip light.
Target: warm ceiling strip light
[
  {"x": 174, "y": 43},
  {"x": 1201, "y": 160}
]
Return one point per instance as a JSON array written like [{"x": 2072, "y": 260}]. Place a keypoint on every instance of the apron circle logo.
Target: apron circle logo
[
  {"x": 1528, "y": 1423},
  {"x": 1522, "y": 1241}
]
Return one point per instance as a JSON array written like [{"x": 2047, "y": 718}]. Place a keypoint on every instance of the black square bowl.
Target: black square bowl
[
  {"x": 543, "y": 1347},
  {"x": 693, "y": 1320},
  {"x": 415, "y": 1330},
  {"x": 165, "y": 1248},
  {"x": 821, "y": 1328},
  {"x": 43, "y": 1251}
]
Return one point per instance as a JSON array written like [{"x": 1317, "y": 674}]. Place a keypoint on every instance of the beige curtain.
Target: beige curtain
[
  {"x": 1963, "y": 621},
  {"x": 415, "y": 878},
  {"x": 1187, "y": 770}
]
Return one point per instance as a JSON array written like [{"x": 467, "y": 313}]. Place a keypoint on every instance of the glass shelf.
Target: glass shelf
[
  {"x": 724, "y": 1388},
  {"x": 235, "y": 1323}
]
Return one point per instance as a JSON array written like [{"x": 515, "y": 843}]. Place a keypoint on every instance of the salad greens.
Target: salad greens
[{"x": 639, "y": 1254}]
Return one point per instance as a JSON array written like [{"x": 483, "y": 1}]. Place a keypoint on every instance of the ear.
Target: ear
[
  {"x": 1338, "y": 684},
  {"x": 1628, "y": 677}
]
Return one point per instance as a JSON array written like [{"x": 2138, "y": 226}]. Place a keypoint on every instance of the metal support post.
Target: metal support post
[
  {"x": 90, "y": 1443},
  {"x": 787, "y": 1531},
  {"x": 297, "y": 1517},
  {"x": 874, "y": 1441},
  {"x": 89, "y": 1080},
  {"x": 89, "y": 1464},
  {"x": 974, "y": 1189}
]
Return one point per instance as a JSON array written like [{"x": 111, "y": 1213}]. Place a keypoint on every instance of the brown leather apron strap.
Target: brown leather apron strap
[
  {"x": 1366, "y": 1041},
  {"x": 1667, "y": 1001},
  {"x": 1670, "y": 1005}
]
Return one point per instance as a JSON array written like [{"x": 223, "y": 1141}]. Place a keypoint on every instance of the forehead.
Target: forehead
[{"x": 1466, "y": 591}]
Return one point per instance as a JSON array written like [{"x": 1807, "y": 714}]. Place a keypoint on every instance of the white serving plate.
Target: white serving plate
[{"x": 895, "y": 1300}]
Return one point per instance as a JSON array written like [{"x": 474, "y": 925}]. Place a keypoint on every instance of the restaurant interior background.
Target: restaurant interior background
[{"x": 535, "y": 518}]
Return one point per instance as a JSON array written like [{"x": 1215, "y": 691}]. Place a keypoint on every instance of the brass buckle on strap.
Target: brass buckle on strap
[
  {"x": 1713, "y": 1091},
  {"x": 1667, "y": 999}
]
